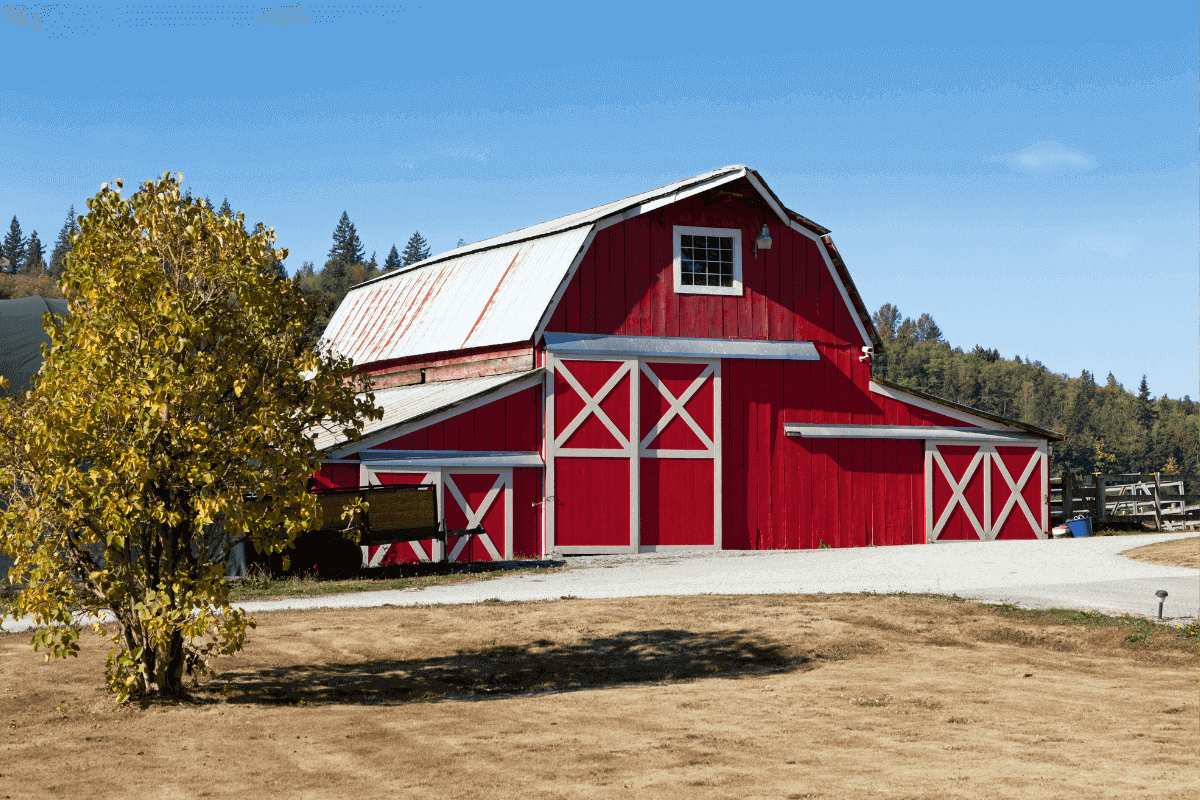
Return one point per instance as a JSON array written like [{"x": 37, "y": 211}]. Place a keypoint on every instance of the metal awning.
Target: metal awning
[
  {"x": 449, "y": 458},
  {"x": 820, "y": 430},
  {"x": 676, "y": 347}
]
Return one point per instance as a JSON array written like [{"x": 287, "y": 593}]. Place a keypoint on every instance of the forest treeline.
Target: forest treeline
[{"x": 1109, "y": 428}]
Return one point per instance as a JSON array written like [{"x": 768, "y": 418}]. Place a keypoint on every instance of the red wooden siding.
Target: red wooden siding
[
  {"x": 591, "y": 502},
  {"x": 335, "y": 476},
  {"x": 513, "y": 423},
  {"x": 789, "y": 492},
  {"x": 624, "y": 284}
]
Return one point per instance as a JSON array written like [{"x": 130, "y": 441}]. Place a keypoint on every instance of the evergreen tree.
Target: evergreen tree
[
  {"x": 35, "y": 255},
  {"x": 1145, "y": 406},
  {"x": 13, "y": 247},
  {"x": 392, "y": 261},
  {"x": 62, "y": 245},
  {"x": 461, "y": 242},
  {"x": 347, "y": 247},
  {"x": 928, "y": 330},
  {"x": 226, "y": 210},
  {"x": 373, "y": 265},
  {"x": 208, "y": 203},
  {"x": 416, "y": 250}
]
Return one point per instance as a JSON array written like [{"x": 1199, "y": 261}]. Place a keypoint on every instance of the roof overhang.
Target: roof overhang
[{"x": 958, "y": 411}]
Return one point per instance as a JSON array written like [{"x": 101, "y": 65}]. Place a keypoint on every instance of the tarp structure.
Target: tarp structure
[{"x": 22, "y": 337}]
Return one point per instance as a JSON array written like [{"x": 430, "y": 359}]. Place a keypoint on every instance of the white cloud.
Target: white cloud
[{"x": 1050, "y": 157}]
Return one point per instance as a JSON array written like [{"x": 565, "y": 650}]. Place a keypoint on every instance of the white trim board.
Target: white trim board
[
  {"x": 449, "y": 458},
  {"x": 594, "y": 344},
  {"x": 945, "y": 411},
  {"x": 817, "y": 430}
]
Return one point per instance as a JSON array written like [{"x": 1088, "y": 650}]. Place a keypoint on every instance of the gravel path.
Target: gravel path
[{"x": 1062, "y": 573}]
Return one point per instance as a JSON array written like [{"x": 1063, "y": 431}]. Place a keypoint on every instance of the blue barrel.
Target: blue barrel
[{"x": 1080, "y": 527}]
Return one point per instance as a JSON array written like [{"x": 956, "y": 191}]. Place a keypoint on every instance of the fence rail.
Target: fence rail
[{"x": 1138, "y": 497}]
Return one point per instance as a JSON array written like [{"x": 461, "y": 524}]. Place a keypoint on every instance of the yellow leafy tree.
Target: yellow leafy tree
[{"x": 172, "y": 419}]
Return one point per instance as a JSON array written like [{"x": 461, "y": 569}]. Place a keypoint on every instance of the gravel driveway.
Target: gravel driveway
[{"x": 1061, "y": 573}]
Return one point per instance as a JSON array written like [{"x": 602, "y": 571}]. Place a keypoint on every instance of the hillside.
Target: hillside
[{"x": 1109, "y": 428}]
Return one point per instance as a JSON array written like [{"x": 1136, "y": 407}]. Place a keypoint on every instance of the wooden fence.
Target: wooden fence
[{"x": 1150, "y": 498}]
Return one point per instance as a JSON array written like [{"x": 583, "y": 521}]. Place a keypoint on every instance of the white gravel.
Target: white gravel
[{"x": 1063, "y": 573}]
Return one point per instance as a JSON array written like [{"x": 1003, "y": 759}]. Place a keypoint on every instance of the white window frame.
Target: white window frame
[{"x": 735, "y": 233}]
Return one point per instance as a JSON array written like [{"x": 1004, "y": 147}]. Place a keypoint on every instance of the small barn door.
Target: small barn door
[
  {"x": 591, "y": 469},
  {"x": 479, "y": 499},
  {"x": 467, "y": 498},
  {"x": 986, "y": 491},
  {"x": 678, "y": 454}
]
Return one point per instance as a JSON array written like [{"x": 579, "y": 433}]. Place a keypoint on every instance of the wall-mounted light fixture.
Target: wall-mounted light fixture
[{"x": 763, "y": 242}]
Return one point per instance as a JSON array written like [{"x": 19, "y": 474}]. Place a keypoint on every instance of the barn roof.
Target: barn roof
[{"x": 501, "y": 290}]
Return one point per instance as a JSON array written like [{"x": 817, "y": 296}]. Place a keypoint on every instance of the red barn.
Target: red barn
[{"x": 686, "y": 368}]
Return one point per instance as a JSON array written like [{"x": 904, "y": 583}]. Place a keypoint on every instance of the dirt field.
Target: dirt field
[
  {"x": 732, "y": 697},
  {"x": 1177, "y": 553}
]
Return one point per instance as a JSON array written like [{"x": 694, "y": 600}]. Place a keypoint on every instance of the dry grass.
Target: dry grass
[
  {"x": 783, "y": 697},
  {"x": 1175, "y": 553}
]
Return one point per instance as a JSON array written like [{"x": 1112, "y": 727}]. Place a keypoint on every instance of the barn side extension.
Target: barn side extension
[{"x": 685, "y": 368}]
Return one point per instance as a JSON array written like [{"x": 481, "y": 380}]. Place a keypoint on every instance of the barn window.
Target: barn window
[{"x": 708, "y": 260}]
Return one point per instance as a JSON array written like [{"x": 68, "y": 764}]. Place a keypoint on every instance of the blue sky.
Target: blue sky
[{"x": 1026, "y": 173}]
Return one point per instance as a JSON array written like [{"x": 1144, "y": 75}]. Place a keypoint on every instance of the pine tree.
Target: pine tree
[
  {"x": 373, "y": 265},
  {"x": 416, "y": 250},
  {"x": 35, "y": 255},
  {"x": 63, "y": 245},
  {"x": 347, "y": 247},
  {"x": 928, "y": 330},
  {"x": 1145, "y": 406},
  {"x": 226, "y": 210},
  {"x": 13, "y": 247},
  {"x": 392, "y": 261}
]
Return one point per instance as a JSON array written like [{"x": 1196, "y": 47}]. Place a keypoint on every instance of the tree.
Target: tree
[
  {"x": 461, "y": 242},
  {"x": 416, "y": 250},
  {"x": 347, "y": 247},
  {"x": 927, "y": 330},
  {"x": 13, "y": 247},
  {"x": 62, "y": 245},
  {"x": 35, "y": 255},
  {"x": 392, "y": 261},
  {"x": 226, "y": 210},
  {"x": 173, "y": 418},
  {"x": 373, "y": 265}
]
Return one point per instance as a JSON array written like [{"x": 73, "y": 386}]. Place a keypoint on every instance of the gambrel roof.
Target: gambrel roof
[{"x": 503, "y": 290}]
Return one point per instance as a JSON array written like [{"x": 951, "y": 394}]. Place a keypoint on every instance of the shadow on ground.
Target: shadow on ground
[{"x": 543, "y": 666}]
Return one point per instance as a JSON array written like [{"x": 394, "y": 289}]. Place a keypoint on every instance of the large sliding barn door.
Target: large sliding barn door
[
  {"x": 633, "y": 454},
  {"x": 985, "y": 491}
]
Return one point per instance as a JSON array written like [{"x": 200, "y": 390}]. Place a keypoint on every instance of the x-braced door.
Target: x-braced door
[
  {"x": 470, "y": 498},
  {"x": 986, "y": 491},
  {"x": 679, "y": 464},
  {"x": 634, "y": 453}
]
